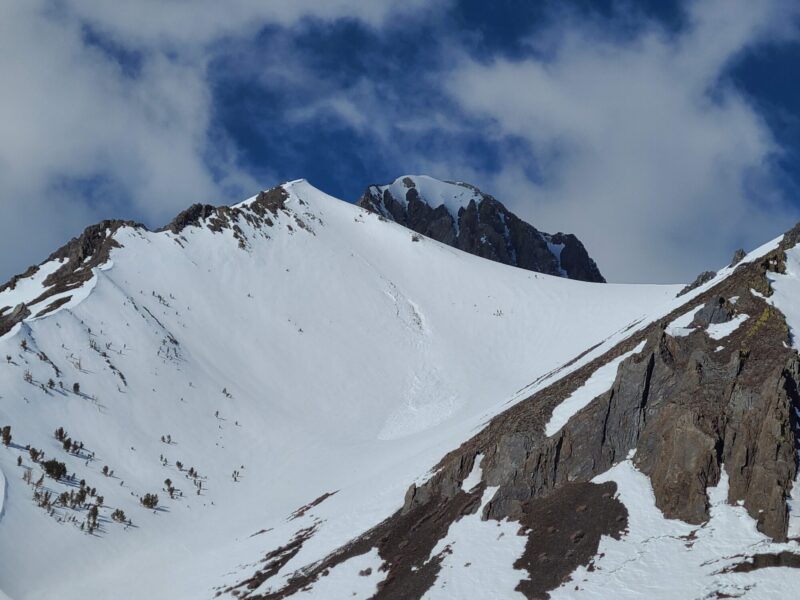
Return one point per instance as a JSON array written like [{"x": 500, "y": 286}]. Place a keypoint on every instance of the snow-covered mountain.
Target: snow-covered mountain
[
  {"x": 460, "y": 215},
  {"x": 327, "y": 404}
]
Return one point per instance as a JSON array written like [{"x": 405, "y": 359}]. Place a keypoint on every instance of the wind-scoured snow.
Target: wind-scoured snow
[
  {"x": 680, "y": 327},
  {"x": 663, "y": 558},
  {"x": 356, "y": 578},
  {"x": 718, "y": 331},
  {"x": 2, "y": 493},
  {"x": 555, "y": 250},
  {"x": 452, "y": 195},
  {"x": 478, "y": 558},
  {"x": 786, "y": 292},
  {"x": 474, "y": 477},
  {"x": 598, "y": 383},
  {"x": 29, "y": 288}
]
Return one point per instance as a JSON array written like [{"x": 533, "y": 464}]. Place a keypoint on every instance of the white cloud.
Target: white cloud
[
  {"x": 71, "y": 112},
  {"x": 644, "y": 150},
  {"x": 180, "y": 23},
  {"x": 655, "y": 161}
]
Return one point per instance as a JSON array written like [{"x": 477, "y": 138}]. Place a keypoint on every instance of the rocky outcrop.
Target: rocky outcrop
[
  {"x": 715, "y": 311},
  {"x": 78, "y": 257},
  {"x": 10, "y": 317},
  {"x": 686, "y": 408},
  {"x": 191, "y": 217},
  {"x": 738, "y": 255},
  {"x": 701, "y": 279},
  {"x": 485, "y": 227},
  {"x": 574, "y": 259},
  {"x": 92, "y": 248},
  {"x": 683, "y": 407},
  {"x": 81, "y": 254}
]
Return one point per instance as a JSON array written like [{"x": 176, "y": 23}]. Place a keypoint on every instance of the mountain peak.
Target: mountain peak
[
  {"x": 454, "y": 195},
  {"x": 461, "y": 215}
]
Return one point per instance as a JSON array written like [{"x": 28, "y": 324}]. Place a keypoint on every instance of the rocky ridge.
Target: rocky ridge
[
  {"x": 684, "y": 407},
  {"x": 485, "y": 228},
  {"x": 92, "y": 248},
  {"x": 482, "y": 226}
]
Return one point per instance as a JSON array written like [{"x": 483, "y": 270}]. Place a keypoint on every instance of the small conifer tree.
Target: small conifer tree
[{"x": 149, "y": 500}]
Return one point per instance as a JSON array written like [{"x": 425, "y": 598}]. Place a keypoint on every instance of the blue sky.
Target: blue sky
[{"x": 664, "y": 134}]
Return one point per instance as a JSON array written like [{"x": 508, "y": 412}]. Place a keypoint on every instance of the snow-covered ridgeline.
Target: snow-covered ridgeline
[{"x": 452, "y": 195}]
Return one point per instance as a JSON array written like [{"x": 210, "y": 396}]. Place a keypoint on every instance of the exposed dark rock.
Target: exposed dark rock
[
  {"x": 791, "y": 238},
  {"x": 17, "y": 314},
  {"x": 93, "y": 247},
  {"x": 575, "y": 260},
  {"x": 405, "y": 542},
  {"x": 192, "y": 216},
  {"x": 687, "y": 408},
  {"x": 737, "y": 257},
  {"x": 704, "y": 277},
  {"x": 272, "y": 563},
  {"x": 271, "y": 200},
  {"x": 485, "y": 228},
  {"x": 717, "y": 310},
  {"x": 764, "y": 561},
  {"x": 79, "y": 256},
  {"x": 11, "y": 284},
  {"x": 305, "y": 508},
  {"x": 564, "y": 531}
]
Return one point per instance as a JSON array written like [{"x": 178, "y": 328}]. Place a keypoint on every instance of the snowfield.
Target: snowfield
[
  {"x": 452, "y": 195},
  {"x": 329, "y": 354},
  {"x": 663, "y": 558},
  {"x": 785, "y": 292}
]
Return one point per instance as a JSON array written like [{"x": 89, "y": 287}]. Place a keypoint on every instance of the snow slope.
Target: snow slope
[
  {"x": 663, "y": 558},
  {"x": 329, "y": 353},
  {"x": 785, "y": 292}
]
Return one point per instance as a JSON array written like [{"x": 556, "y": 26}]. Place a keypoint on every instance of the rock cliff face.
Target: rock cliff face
[
  {"x": 682, "y": 405},
  {"x": 462, "y": 216}
]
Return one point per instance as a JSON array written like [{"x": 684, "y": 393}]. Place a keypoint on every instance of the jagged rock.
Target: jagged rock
[
  {"x": 12, "y": 283},
  {"x": 737, "y": 257},
  {"x": 574, "y": 258},
  {"x": 192, "y": 216},
  {"x": 93, "y": 246},
  {"x": 272, "y": 200},
  {"x": 485, "y": 227},
  {"x": 79, "y": 256},
  {"x": 686, "y": 407},
  {"x": 17, "y": 314},
  {"x": 717, "y": 310},
  {"x": 704, "y": 277}
]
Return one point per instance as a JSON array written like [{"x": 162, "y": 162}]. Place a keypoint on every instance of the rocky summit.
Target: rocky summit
[
  {"x": 298, "y": 397},
  {"x": 460, "y": 215}
]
